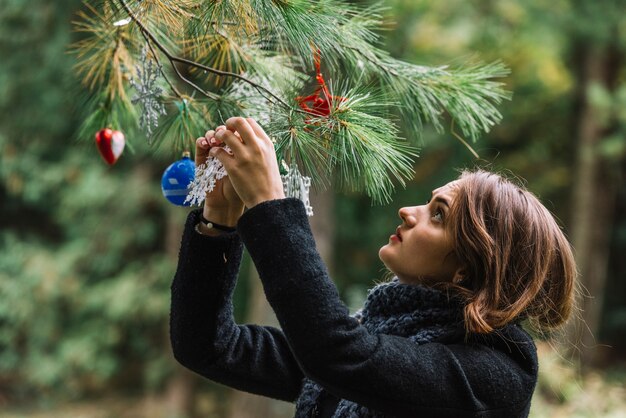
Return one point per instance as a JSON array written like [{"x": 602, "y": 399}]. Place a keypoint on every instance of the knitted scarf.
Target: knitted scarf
[{"x": 419, "y": 313}]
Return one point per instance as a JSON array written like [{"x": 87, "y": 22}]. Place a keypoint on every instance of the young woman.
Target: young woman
[{"x": 442, "y": 339}]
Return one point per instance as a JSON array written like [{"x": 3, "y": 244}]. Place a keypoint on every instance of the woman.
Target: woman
[{"x": 442, "y": 339}]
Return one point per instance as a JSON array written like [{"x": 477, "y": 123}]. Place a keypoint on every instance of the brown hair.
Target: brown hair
[{"x": 519, "y": 265}]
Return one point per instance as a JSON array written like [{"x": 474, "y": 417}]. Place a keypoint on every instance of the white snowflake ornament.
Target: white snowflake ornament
[
  {"x": 206, "y": 176},
  {"x": 296, "y": 185}
]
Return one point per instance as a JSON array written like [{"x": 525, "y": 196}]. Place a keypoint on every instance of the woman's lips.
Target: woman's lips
[{"x": 398, "y": 234}]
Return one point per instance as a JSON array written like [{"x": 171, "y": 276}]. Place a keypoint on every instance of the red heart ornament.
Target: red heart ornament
[{"x": 110, "y": 144}]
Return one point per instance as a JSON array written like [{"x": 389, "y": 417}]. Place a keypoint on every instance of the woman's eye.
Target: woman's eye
[{"x": 438, "y": 215}]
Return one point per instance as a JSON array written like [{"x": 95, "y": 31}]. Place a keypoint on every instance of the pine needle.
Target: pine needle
[
  {"x": 103, "y": 56},
  {"x": 115, "y": 113},
  {"x": 182, "y": 128}
]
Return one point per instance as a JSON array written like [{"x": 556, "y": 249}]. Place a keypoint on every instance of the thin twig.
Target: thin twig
[
  {"x": 156, "y": 58},
  {"x": 464, "y": 142},
  {"x": 172, "y": 58},
  {"x": 228, "y": 74},
  {"x": 146, "y": 33}
]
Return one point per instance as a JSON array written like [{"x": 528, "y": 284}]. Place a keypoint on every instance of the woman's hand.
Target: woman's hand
[
  {"x": 222, "y": 205},
  {"x": 251, "y": 165}
]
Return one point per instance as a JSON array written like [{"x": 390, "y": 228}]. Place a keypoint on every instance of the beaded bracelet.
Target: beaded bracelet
[{"x": 213, "y": 225}]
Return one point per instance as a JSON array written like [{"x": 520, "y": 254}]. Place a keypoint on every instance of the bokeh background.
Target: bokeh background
[{"x": 87, "y": 252}]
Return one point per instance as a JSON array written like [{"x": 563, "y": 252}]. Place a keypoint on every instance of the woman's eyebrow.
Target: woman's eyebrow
[{"x": 442, "y": 200}]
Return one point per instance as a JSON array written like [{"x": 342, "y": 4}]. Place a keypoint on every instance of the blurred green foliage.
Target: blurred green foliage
[{"x": 85, "y": 267}]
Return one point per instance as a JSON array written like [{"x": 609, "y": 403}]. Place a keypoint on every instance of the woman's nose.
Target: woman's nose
[{"x": 408, "y": 216}]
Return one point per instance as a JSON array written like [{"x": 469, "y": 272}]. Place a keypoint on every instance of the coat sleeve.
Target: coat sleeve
[
  {"x": 387, "y": 373},
  {"x": 203, "y": 333}
]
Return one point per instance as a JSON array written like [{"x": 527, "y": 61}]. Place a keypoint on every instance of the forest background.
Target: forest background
[{"x": 87, "y": 252}]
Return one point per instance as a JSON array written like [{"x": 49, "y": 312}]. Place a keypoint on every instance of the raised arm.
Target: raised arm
[
  {"x": 387, "y": 373},
  {"x": 203, "y": 333}
]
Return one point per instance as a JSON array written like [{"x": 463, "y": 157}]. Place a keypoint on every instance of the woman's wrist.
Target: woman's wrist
[
  {"x": 260, "y": 199},
  {"x": 223, "y": 216},
  {"x": 227, "y": 216}
]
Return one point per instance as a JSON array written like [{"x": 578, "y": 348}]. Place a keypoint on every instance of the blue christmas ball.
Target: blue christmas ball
[{"x": 176, "y": 179}]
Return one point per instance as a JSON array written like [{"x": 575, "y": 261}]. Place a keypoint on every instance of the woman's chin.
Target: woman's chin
[{"x": 382, "y": 253}]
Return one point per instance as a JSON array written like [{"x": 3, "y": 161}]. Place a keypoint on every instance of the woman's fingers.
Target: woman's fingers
[
  {"x": 210, "y": 136},
  {"x": 202, "y": 143},
  {"x": 223, "y": 156},
  {"x": 233, "y": 141},
  {"x": 202, "y": 150},
  {"x": 219, "y": 128},
  {"x": 243, "y": 128},
  {"x": 250, "y": 162},
  {"x": 257, "y": 129},
  {"x": 237, "y": 134}
]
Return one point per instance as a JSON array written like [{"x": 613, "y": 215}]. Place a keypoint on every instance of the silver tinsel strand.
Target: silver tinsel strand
[{"x": 147, "y": 93}]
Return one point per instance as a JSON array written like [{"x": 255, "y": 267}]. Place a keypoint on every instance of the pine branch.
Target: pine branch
[
  {"x": 216, "y": 50},
  {"x": 254, "y": 58},
  {"x": 165, "y": 14},
  {"x": 367, "y": 149},
  {"x": 357, "y": 141},
  {"x": 468, "y": 95},
  {"x": 173, "y": 59},
  {"x": 164, "y": 50},
  {"x": 165, "y": 77},
  {"x": 103, "y": 56},
  {"x": 425, "y": 94},
  {"x": 237, "y": 14},
  {"x": 299, "y": 143}
]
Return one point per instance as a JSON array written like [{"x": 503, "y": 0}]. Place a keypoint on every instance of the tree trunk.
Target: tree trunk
[
  {"x": 593, "y": 201},
  {"x": 246, "y": 405}
]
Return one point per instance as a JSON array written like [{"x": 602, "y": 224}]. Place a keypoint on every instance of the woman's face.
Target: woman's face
[{"x": 422, "y": 250}]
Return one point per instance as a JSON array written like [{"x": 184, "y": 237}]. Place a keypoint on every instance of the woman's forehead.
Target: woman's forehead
[{"x": 449, "y": 189}]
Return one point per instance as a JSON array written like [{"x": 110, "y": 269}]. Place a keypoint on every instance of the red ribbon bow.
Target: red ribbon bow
[{"x": 321, "y": 101}]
